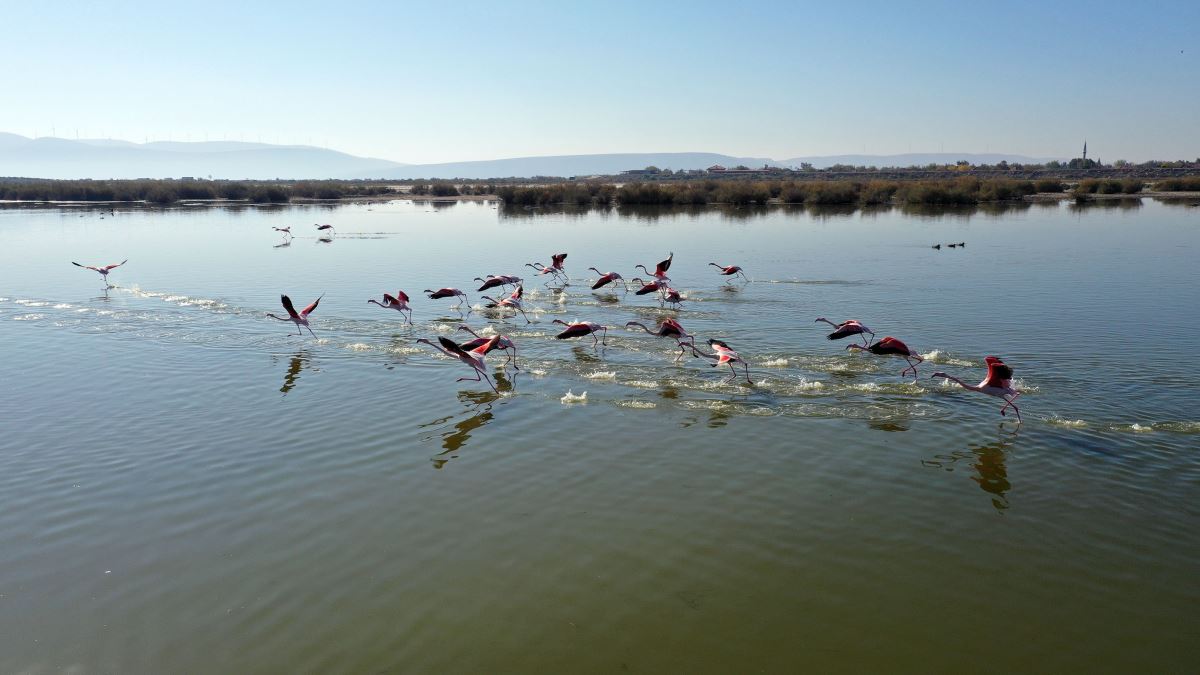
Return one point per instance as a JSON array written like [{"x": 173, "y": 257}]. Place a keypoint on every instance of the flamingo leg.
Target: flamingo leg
[
  {"x": 746, "y": 370},
  {"x": 605, "y": 336},
  {"x": 595, "y": 340},
  {"x": 310, "y": 332},
  {"x": 1009, "y": 402},
  {"x": 524, "y": 315}
]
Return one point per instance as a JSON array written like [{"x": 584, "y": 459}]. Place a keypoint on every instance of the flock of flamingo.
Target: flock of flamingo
[{"x": 472, "y": 353}]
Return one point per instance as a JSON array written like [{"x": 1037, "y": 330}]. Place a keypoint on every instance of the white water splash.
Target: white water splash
[
  {"x": 28, "y": 317},
  {"x": 359, "y": 347},
  {"x": 487, "y": 331},
  {"x": 1063, "y": 422},
  {"x": 573, "y": 398},
  {"x": 867, "y": 386},
  {"x": 938, "y": 356},
  {"x": 32, "y": 303},
  {"x": 1135, "y": 427},
  {"x": 636, "y": 404},
  {"x": 63, "y": 305},
  {"x": 775, "y": 363},
  {"x": 537, "y": 372},
  {"x": 645, "y": 384},
  {"x": 602, "y": 375},
  {"x": 806, "y": 385}
]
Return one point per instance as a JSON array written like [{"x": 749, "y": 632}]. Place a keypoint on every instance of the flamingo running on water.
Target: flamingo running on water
[
  {"x": 287, "y": 231},
  {"x": 326, "y": 228},
  {"x": 730, "y": 270},
  {"x": 998, "y": 383},
  {"x": 473, "y": 358},
  {"x": 513, "y": 301},
  {"x": 660, "y": 270},
  {"x": 648, "y": 287},
  {"x": 494, "y": 280},
  {"x": 581, "y": 328},
  {"x": 724, "y": 354},
  {"x": 672, "y": 329},
  {"x": 672, "y": 297},
  {"x": 102, "y": 270},
  {"x": 398, "y": 302},
  {"x": 447, "y": 293},
  {"x": 504, "y": 343},
  {"x": 556, "y": 266},
  {"x": 606, "y": 279},
  {"x": 890, "y": 346},
  {"x": 848, "y": 328},
  {"x": 301, "y": 318}
]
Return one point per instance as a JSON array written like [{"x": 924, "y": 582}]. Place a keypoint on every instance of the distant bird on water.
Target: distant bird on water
[
  {"x": 848, "y": 328},
  {"x": 398, "y": 302},
  {"x": 581, "y": 328},
  {"x": 287, "y": 231},
  {"x": 998, "y": 383},
  {"x": 299, "y": 318},
  {"x": 102, "y": 270},
  {"x": 890, "y": 346},
  {"x": 473, "y": 358},
  {"x": 672, "y": 329},
  {"x": 725, "y": 355},
  {"x": 730, "y": 270},
  {"x": 937, "y": 247},
  {"x": 327, "y": 228}
]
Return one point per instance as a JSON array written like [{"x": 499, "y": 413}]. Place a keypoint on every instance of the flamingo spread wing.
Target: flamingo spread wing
[
  {"x": 308, "y": 310},
  {"x": 287, "y": 304},
  {"x": 402, "y": 296}
]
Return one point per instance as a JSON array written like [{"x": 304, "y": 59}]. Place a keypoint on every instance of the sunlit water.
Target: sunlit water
[{"x": 189, "y": 486}]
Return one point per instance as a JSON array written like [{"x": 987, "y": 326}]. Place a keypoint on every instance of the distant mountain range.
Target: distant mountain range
[
  {"x": 103, "y": 158},
  {"x": 99, "y": 158}
]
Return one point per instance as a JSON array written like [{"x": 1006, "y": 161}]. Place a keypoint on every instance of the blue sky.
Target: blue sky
[{"x": 430, "y": 82}]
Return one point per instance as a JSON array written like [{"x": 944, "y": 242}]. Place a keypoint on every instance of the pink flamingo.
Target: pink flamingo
[
  {"x": 606, "y": 279},
  {"x": 398, "y": 302},
  {"x": 328, "y": 229},
  {"x": 504, "y": 343},
  {"x": 513, "y": 301},
  {"x": 649, "y": 287},
  {"x": 998, "y": 383},
  {"x": 672, "y": 329},
  {"x": 672, "y": 297},
  {"x": 660, "y": 270},
  {"x": 494, "y": 280},
  {"x": 724, "y": 354},
  {"x": 102, "y": 270},
  {"x": 890, "y": 346},
  {"x": 848, "y": 328},
  {"x": 447, "y": 293},
  {"x": 301, "y": 318},
  {"x": 581, "y": 328},
  {"x": 730, "y": 270},
  {"x": 556, "y": 266},
  {"x": 473, "y": 358}
]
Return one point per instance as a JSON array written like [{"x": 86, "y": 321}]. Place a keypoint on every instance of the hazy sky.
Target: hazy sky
[{"x": 432, "y": 81}]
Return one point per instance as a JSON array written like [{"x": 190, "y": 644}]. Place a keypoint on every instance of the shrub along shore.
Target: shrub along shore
[{"x": 958, "y": 191}]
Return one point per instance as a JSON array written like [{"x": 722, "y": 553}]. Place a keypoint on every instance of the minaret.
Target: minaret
[{"x": 1085, "y": 150}]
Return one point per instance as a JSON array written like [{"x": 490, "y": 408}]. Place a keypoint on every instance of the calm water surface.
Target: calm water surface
[{"x": 188, "y": 488}]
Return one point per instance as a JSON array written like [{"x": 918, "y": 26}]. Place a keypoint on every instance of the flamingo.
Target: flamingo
[
  {"x": 649, "y": 287},
  {"x": 724, "y": 354},
  {"x": 848, "y": 328},
  {"x": 581, "y": 328},
  {"x": 660, "y": 270},
  {"x": 998, "y": 383},
  {"x": 608, "y": 278},
  {"x": 672, "y": 329},
  {"x": 301, "y": 318},
  {"x": 512, "y": 301},
  {"x": 672, "y": 297},
  {"x": 102, "y": 270},
  {"x": 398, "y": 302},
  {"x": 287, "y": 231},
  {"x": 555, "y": 267},
  {"x": 447, "y": 293},
  {"x": 503, "y": 343},
  {"x": 890, "y": 346},
  {"x": 473, "y": 358},
  {"x": 326, "y": 228},
  {"x": 730, "y": 270},
  {"x": 494, "y": 280}
]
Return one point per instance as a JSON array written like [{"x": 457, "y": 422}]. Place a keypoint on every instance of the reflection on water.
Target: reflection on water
[
  {"x": 479, "y": 405},
  {"x": 991, "y": 472},
  {"x": 296, "y": 365}
]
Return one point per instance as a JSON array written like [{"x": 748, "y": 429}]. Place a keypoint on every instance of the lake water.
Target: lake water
[{"x": 189, "y": 486}]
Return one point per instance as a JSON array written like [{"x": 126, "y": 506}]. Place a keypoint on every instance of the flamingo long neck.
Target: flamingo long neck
[
  {"x": 828, "y": 322},
  {"x": 962, "y": 384},
  {"x": 642, "y": 326},
  {"x": 377, "y": 302}
]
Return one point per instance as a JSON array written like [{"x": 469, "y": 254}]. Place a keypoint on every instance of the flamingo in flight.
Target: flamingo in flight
[
  {"x": 998, "y": 383},
  {"x": 660, "y": 270},
  {"x": 473, "y": 358},
  {"x": 730, "y": 270},
  {"x": 398, "y": 302},
  {"x": 608, "y": 278},
  {"x": 724, "y": 354},
  {"x": 447, "y": 293},
  {"x": 672, "y": 297},
  {"x": 581, "y": 328},
  {"x": 504, "y": 343},
  {"x": 648, "y": 287},
  {"x": 104, "y": 270},
  {"x": 326, "y": 228},
  {"x": 494, "y": 280},
  {"x": 287, "y": 231},
  {"x": 672, "y": 329},
  {"x": 848, "y": 328},
  {"x": 890, "y": 346},
  {"x": 299, "y": 318},
  {"x": 513, "y": 301},
  {"x": 556, "y": 266}
]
